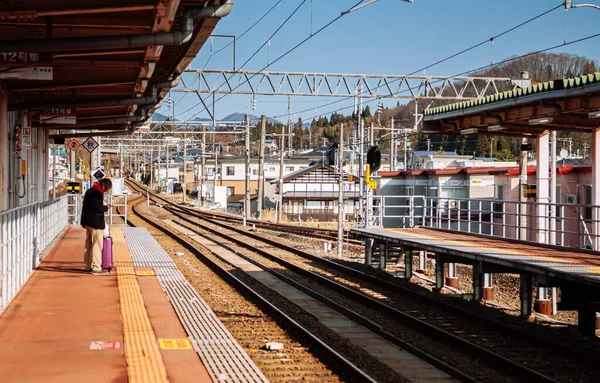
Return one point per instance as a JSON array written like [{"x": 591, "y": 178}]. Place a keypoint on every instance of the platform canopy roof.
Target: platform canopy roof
[
  {"x": 571, "y": 104},
  {"x": 107, "y": 62}
]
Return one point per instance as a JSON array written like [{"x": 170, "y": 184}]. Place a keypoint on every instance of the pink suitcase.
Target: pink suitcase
[{"x": 107, "y": 254}]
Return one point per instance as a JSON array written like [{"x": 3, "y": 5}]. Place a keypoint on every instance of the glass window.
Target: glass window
[
  {"x": 289, "y": 168},
  {"x": 230, "y": 170},
  {"x": 230, "y": 190},
  {"x": 254, "y": 171}
]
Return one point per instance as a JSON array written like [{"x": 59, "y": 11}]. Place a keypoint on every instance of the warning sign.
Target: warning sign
[
  {"x": 99, "y": 174},
  {"x": 90, "y": 144},
  {"x": 175, "y": 344},
  {"x": 26, "y": 139},
  {"x": 102, "y": 345},
  {"x": 73, "y": 144}
]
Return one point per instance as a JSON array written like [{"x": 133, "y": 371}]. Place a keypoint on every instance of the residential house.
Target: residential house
[{"x": 312, "y": 192}]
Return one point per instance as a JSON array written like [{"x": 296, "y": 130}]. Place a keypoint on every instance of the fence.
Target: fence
[
  {"x": 117, "y": 201},
  {"x": 25, "y": 233},
  {"x": 571, "y": 225},
  {"x": 305, "y": 213}
]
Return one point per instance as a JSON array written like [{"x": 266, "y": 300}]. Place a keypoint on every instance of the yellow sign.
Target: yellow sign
[
  {"x": 175, "y": 344},
  {"x": 145, "y": 272}
]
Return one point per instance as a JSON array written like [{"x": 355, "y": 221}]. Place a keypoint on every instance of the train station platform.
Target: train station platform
[
  {"x": 67, "y": 325},
  {"x": 576, "y": 272}
]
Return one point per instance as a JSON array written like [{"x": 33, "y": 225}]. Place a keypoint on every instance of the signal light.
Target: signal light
[{"x": 374, "y": 158}]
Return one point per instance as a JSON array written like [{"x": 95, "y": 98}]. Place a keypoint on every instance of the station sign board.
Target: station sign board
[
  {"x": 99, "y": 174},
  {"x": 58, "y": 116},
  {"x": 90, "y": 144},
  {"x": 73, "y": 144},
  {"x": 26, "y": 65}
]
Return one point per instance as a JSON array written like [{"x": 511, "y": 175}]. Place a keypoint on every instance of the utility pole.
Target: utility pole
[
  {"x": 290, "y": 125},
  {"x": 392, "y": 147},
  {"x": 215, "y": 172},
  {"x": 184, "y": 163},
  {"x": 491, "y": 148},
  {"x": 429, "y": 144},
  {"x": 203, "y": 163},
  {"x": 340, "y": 244},
  {"x": 159, "y": 155},
  {"x": 261, "y": 165},
  {"x": 247, "y": 194},
  {"x": 405, "y": 138},
  {"x": 279, "y": 212},
  {"x": 167, "y": 165},
  {"x": 151, "y": 181},
  {"x": 361, "y": 170}
]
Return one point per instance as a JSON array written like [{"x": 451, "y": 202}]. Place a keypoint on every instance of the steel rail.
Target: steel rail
[
  {"x": 453, "y": 340},
  {"x": 337, "y": 362},
  {"x": 304, "y": 231}
]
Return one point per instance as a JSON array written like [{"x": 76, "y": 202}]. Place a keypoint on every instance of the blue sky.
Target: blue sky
[{"x": 387, "y": 37}]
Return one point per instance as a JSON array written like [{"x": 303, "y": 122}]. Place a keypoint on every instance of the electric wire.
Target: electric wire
[
  {"x": 237, "y": 38},
  {"x": 283, "y": 55},
  {"x": 250, "y": 58},
  {"x": 493, "y": 38},
  {"x": 488, "y": 66}
]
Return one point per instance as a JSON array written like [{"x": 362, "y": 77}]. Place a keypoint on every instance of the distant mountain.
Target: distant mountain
[
  {"x": 253, "y": 119},
  {"x": 158, "y": 117}
]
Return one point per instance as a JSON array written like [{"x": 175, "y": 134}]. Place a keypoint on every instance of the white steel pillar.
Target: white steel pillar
[
  {"x": 543, "y": 186},
  {"x": 4, "y": 151},
  {"x": 47, "y": 178},
  {"x": 596, "y": 193},
  {"x": 542, "y": 303},
  {"x": 595, "y": 186},
  {"x": 553, "y": 200},
  {"x": 41, "y": 172}
]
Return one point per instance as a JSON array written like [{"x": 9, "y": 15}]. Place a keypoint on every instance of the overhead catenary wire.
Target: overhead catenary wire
[
  {"x": 250, "y": 58},
  {"x": 465, "y": 72},
  {"x": 231, "y": 42},
  {"x": 283, "y": 55},
  {"x": 493, "y": 38}
]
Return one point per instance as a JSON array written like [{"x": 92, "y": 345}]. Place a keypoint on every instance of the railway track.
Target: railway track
[
  {"x": 313, "y": 232},
  {"x": 516, "y": 352},
  {"x": 299, "y": 364}
]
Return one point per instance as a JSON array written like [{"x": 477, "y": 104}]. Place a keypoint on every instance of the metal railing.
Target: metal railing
[
  {"x": 116, "y": 201},
  {"x": 570, "y": 225},
  {"x": 25, "y": 232},
  {"x": 75, "y": 203}
]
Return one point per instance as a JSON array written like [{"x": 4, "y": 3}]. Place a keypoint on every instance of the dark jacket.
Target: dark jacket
[{"x": 92, "y": 212}]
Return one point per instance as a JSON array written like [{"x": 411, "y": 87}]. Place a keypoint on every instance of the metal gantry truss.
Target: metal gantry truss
[{"x": 343, "y": 85}]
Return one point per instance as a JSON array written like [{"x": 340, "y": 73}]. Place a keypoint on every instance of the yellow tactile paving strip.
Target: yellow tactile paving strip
[{"x": 142, "y": 354}]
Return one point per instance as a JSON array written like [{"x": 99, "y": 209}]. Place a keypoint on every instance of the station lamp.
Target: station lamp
[
  {"x": 469, "y": 131},
  {"x": 594, "y": 114}
]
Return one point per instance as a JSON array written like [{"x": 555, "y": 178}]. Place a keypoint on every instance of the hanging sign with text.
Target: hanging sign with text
[
  {"x": 58, "y": 116},
  {"x": 26, "y": 65}
]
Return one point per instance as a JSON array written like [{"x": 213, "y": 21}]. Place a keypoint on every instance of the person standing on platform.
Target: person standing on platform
[{"x": 92, "y": 219}]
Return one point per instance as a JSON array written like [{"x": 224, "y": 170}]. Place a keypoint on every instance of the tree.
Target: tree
[
  {"x": 298, "y": 134},
  {"x": 366, "y": 112},
  {"x": 505, "y": 155}
]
